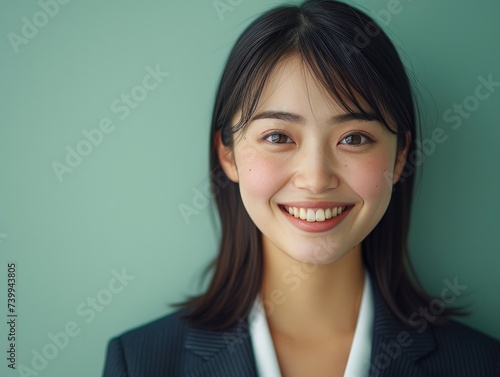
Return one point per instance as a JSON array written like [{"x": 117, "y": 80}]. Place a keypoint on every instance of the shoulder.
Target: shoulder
[
  {"x": 421, "y": 344},
  {"x": 170, "y": 329},
  {"x": 153, "y": 348},
  {"x": 465, "y": 340},
  {"x": 461, "y": 346}
]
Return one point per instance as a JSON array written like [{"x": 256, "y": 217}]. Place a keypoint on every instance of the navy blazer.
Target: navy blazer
[{"x": 171, "y": 347}]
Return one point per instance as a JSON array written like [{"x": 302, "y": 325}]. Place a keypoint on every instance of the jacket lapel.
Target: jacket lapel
[
  {"x": 213, "y": 353},
  {"x": 396, "y": 348}
]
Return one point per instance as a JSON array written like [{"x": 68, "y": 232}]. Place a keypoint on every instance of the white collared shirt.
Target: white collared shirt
[{"x": 359, "y": 355}]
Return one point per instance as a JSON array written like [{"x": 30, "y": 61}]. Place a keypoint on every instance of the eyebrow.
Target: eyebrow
[{"x": 296, "y": 118}]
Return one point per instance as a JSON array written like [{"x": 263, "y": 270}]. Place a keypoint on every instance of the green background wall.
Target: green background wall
[{"x": 118, "y": 210}]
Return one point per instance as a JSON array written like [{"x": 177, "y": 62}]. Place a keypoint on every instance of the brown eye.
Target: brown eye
[
  {"x": 356, "y": 139},
  {"x": 277, "y": 138}
]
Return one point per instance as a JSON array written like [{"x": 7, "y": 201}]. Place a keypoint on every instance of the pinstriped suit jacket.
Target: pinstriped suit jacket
[{"x": 171, "y": 347}]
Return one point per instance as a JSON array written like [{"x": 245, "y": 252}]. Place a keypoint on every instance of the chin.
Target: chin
[{"x": 318, "y": 255}]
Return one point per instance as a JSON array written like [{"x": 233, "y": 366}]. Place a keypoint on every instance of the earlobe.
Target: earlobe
[
  {"x": 226, "y": 158},
  {"x": 401, "y": 159}
]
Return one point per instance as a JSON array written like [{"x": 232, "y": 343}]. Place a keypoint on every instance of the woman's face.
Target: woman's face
[{"x": 314, "y": 180}]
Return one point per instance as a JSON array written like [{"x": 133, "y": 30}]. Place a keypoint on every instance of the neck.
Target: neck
[{"x": 305, "y": 300}]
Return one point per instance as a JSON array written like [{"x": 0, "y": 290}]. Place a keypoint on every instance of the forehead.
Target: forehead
[{"x": 292, "y": 84}]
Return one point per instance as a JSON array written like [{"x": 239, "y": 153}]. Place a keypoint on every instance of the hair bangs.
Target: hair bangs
[{"x": 355, "y": 78}]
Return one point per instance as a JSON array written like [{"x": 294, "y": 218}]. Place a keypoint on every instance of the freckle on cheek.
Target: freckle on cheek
[
  {"x": 369, "y": 185},
  {"x": 262, "y": 179}
]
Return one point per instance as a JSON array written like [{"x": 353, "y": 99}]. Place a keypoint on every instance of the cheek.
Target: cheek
[
  {"x": 261, "y": 176},
  {"x": 371, "y": 178}
]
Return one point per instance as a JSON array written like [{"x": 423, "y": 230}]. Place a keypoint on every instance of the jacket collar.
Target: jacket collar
[{"x": 396, "y": 348}]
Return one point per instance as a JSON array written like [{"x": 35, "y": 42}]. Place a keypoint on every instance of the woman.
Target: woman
[{"x": 312, "y": 127}]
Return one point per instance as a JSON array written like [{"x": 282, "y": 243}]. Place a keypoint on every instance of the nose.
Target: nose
[{"x": 316, "y": 169}]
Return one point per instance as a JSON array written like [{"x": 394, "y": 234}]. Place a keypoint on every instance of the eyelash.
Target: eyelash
[
  {"x": 369, "y": 139},
  {"x": 274, "y": 132}
]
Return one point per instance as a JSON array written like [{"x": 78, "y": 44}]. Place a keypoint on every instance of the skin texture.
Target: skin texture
[{"x": 313, "y": 281}]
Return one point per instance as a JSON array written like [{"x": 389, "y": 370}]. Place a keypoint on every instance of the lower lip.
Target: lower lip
[{"x": 316, "y": 226}]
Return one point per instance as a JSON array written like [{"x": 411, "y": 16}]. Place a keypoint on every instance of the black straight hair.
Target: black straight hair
[{"x": 353, "y": 59}]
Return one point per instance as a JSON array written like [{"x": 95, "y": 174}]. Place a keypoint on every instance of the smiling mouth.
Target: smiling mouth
[{"x": 314, "y": 215}]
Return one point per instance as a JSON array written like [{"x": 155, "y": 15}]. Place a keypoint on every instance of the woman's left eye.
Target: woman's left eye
[
  {"x": 356, "y": 139},
  {"x": 277, "y": 138}
]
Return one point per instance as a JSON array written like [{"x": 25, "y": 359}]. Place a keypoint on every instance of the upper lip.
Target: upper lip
[{"x": 316, "y": 205}]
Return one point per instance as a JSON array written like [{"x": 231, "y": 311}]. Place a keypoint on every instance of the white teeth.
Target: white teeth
[
  {"x": 320, "y": 215},
  {"x": 302, "y": 213},
  {"x": 328, "y": 213},
  {"x": 312, "y": 215}
]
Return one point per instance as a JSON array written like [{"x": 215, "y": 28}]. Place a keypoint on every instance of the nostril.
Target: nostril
[{"x": 316, "y": 181}]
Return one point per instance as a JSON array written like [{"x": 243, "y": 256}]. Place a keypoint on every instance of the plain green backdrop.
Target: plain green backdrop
[{"x": 118, "y": 211}]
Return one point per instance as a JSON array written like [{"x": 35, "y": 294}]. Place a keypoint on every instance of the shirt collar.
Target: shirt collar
[{"x": 361, "y": 348}]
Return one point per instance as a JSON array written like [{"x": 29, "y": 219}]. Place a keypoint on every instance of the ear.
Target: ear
[
  {"x": 401, "y": 159},
  {"x": 226, "y": 158}
]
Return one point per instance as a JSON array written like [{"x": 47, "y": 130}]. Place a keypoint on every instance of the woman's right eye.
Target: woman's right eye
[{"x": 277, "y": 138}]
